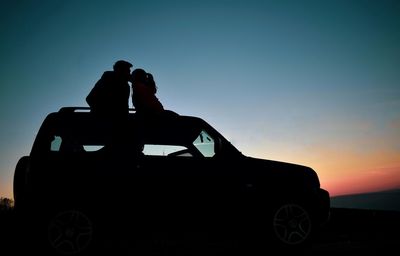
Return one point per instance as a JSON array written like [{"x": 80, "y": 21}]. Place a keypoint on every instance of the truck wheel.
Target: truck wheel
[
  {"x": 292, "y": 224},
  {"x": 70, "y": 232}
]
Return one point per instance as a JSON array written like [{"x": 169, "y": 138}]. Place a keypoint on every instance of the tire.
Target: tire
[
  {"x": 288, "y": 228},
  {"x": 70, "y": 232},
  {"x": 292, "y": 225},
  {"x": 66, "y": 231},
  {"x": 20, "y": 183}
]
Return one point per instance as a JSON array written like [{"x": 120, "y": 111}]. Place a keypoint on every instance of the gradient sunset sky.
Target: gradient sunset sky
[{"x": 310, "y": 82}]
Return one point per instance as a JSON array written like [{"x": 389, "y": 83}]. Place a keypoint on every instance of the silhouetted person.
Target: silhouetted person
[
  {"x": 110, "y": 95},
  {"x": 144, "y": 91}
]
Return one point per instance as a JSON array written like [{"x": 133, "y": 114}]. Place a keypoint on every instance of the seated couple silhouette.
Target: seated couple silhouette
[
  {"x": 110, "y": 95},
  {"x": 109, "y": 101}
]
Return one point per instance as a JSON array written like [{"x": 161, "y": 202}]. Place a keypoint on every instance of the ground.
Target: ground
[{"x": 349, "y": 232}]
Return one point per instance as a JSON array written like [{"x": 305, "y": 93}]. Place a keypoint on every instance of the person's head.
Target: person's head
[
  {"x": 123, "y": 69},
  {"x": 138, "y": 76}
]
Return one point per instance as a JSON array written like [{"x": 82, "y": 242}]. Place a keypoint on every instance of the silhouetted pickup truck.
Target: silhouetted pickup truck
[{"x": 87, "y": 177}]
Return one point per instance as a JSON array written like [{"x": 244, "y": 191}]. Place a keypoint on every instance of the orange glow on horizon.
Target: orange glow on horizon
[
  {"x": 341, "y": 170},
  {"x": 6, "y": 190},
  {"x": 371, "y": 181}
]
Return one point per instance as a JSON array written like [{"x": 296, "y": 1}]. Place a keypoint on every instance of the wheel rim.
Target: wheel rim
[
  {"x": 292, "y": 224},
  {"x": 70, "y": 232}
]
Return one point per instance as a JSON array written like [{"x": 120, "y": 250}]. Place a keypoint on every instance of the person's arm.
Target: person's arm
[{"x": 97, "y": 91}]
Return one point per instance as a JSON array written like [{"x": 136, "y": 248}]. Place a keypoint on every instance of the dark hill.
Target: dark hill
[{"x": 388, "y": 200}]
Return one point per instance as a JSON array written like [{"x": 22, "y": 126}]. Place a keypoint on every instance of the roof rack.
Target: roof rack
[
  {"x": 82, "y": 109},
  {"x": 74, "y": 109}
]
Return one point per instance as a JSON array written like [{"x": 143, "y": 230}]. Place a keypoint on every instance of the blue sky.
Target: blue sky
[{"x": 311, "y": 82}]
